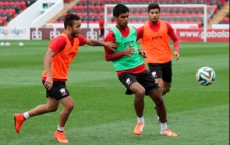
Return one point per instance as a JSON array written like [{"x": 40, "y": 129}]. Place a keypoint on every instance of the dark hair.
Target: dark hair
[
  {"x": 119, "y": 9},
  {"x": 154, "y": 6},
  {"x": 69, "y": 18}
]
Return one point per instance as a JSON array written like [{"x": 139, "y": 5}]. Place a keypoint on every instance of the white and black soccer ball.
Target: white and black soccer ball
[
  {"x": 205, "y": 76},
  {"x": 21, "y": 44},
  {"x": 7, "y": 44},
  {"x": 2, "y": 44}
]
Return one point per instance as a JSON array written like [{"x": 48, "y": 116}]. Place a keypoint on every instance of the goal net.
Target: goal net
[{"x": 178, "y": 15}]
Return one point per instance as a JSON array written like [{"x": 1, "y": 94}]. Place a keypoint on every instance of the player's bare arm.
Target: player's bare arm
[
  {"x": 176, "y": 42},
  {"x": 47, "y": 65},
  {"x": 109, "y": 45}
]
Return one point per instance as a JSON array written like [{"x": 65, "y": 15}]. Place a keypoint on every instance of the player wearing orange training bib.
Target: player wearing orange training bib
[
  {"x": 60, "y": 54},
  {"x": 155, "y": 42}
]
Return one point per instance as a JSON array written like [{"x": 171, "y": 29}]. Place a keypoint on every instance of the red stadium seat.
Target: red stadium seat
[
  {"x": 11, "y": 3},
  {"x": 17, "y": 3},
  {"x": 23, "y": 5},
  {"x": 6, "y": 3},
  {"x": 3, "y": 19},
  {"x": 67, "y": 1},
  {"x": 13, "y": 12},
  {"x": 63, "y": 15},
  {"x": 225, "y": 20},
  {"x": 2, "y": 11},
  {"x": 74, "y": 7}
]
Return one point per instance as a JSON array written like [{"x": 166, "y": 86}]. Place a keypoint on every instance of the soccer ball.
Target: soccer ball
[
  {"x": 2, "y": 44},
  {"x": 205, "y": 76},
  {"x": 20, "y": 43},
  {"x": 7, "y": 44}
]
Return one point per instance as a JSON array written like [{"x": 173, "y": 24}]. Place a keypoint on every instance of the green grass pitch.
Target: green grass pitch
[{"x": 103, "y": 114}]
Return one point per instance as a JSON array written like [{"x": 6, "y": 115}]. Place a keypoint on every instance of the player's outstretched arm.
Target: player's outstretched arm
[{"x": 108, "y": 45}]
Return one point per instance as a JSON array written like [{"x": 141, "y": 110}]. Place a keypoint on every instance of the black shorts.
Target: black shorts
[
  {"x": 163, "y": 71},
  {"x": 145, "y": 79},
  {"x": 58, "y": 91}
]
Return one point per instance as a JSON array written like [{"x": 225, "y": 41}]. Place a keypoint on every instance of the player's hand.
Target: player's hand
[
  {"x": 111, "y": 45},
  {"x": 142, "y": 53},
  {"x": 177, "y": 55},
  {"x": 129, "y": 51},
  {"x": 48, "y": 83}
]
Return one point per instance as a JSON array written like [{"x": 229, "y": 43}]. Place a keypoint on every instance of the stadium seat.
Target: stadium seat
[
  {"x": 22, "y": 4},
  {"x": 67, "y": 1},
  {"x": 2, "y": 11},
  {"x": 63, "y": 15},
  {"x": 225, "y": 20},
  {"x": 3, "y": 20},
  {"x": 11, "y": 12}
]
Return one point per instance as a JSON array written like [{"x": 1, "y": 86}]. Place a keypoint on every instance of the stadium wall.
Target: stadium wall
[{"x": 193, "y": 35}]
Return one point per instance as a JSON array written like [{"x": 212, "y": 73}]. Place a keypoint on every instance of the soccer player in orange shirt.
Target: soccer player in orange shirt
[
  {"x": 155, "y": 42},
  {"x": 62, "y": 50}
]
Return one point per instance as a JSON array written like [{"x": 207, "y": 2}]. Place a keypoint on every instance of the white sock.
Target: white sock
[
  {"x": 26, "y": 115},
  {"x": 163, "y": 126},
  {"x": 60, "y": 128},
  {"x": 140, "y": 119}
]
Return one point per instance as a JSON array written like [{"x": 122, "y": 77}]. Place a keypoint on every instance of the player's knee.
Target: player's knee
[
  {"x": 139, "y": 95},
  {"x": 157, "y": 97},
  {"x": 158, "y": 100},
  {"x": 140, "y": 92},
  {"x": 51, "y": 109},
  {"x": 70, "y": 106}
]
